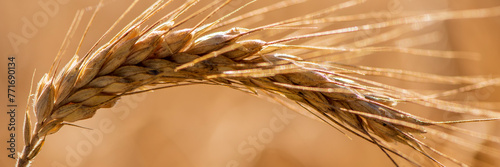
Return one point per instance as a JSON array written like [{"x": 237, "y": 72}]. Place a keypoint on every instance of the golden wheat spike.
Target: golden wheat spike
[{"x": 141, "y": 58}]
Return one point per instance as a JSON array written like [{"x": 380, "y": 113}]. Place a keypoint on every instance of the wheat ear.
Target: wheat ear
[{"x": 162, "y": 54}]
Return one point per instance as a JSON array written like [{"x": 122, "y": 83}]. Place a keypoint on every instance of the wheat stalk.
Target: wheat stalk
[{"x": 151, "y": 57}]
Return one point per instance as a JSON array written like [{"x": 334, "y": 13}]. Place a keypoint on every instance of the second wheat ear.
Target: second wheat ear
[{"x": 162, "y": 54}]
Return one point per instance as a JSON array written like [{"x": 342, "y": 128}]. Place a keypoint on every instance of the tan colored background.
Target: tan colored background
[{"x": 204, "y": 125}]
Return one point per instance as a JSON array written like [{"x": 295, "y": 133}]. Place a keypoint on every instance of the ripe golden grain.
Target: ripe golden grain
[{"x": 163, "y": 54}]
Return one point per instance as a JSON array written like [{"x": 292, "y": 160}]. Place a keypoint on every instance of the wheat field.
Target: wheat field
[{"x": 203, "y": 125}]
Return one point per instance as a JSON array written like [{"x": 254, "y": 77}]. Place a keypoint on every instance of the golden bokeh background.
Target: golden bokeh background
[{"x": 195, "y": 126}]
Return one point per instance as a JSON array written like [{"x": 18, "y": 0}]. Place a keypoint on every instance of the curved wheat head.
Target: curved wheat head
[{"x": 304, "y": 67}]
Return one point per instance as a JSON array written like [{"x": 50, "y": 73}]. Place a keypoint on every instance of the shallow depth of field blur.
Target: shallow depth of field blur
[{"x": 196, "y": 126}]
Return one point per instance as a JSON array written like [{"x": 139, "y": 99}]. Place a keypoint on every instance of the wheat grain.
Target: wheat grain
[{"x": 162, "y": 54}]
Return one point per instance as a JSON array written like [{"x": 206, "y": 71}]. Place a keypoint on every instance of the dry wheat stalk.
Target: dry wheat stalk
[{"x": 162, "y": 54}]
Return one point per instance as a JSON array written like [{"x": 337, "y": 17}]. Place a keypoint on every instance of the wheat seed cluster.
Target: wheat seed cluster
[{"x": 144, "y": 57}]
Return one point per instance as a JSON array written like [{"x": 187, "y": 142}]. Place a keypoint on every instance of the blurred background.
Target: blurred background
[{"x": 195, "y": 126}]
